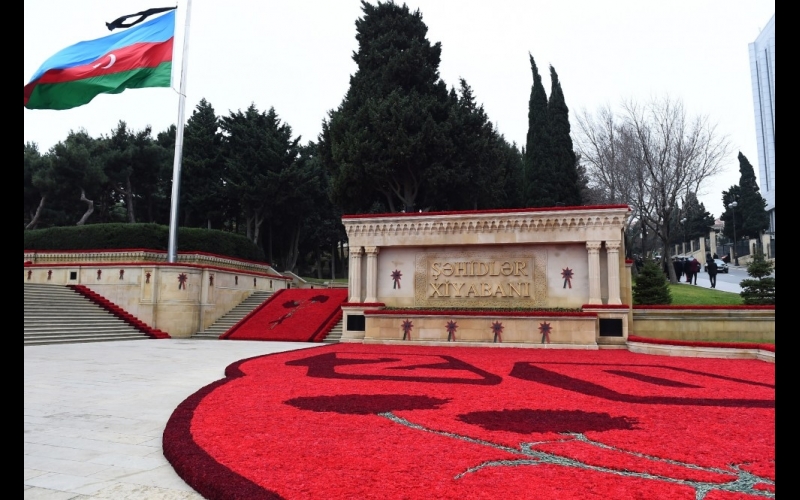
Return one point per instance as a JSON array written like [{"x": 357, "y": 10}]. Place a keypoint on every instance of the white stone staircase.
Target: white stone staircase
[
  {"x": 233, "y": 316},
  {"x": 335, "y": 334},
  {"x": 55, "y": 314}
]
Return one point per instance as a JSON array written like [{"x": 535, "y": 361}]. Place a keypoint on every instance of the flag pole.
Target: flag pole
[{"x": 172, "y": 249}]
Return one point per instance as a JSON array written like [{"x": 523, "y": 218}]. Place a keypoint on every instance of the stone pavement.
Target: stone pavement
[
  {"x": 722, "y": 284},
  {"x": 95, "y": 413}
]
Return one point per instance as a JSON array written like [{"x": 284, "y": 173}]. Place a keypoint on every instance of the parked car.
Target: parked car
[{"x": 722, "y": 267}]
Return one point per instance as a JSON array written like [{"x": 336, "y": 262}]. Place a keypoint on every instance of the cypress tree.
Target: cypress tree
[
  {"x": 561, "y": 162},
  {"x": 752, "y": 205},
  {"x": 536, "y": 178}
]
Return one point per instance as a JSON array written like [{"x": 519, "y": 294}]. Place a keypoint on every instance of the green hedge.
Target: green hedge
[{"x": 149, "y": 236}]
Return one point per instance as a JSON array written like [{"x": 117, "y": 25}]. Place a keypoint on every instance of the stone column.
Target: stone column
[
  {"x": 355, "y": 275},
  {"x": 372, "y": 274},
  {"x": 712, "y": 238},
  {"x": 594, "y": 271},
  {"x": 612, "y": 254}
]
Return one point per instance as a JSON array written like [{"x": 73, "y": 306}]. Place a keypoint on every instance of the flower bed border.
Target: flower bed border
[
  {"x": 456, "y": 312},
  {"x": 605, "y": 306},
  {"x": 489, "y": 211},
  {"x": 119, "y": 312},
  {"x": 688, "y": 343},
  {"x": 701, "y": 307}
]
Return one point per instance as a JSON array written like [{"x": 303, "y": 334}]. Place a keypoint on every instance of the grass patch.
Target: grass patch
[{"x": 698, "y": 296}]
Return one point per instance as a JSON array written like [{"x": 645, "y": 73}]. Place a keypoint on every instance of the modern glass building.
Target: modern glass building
[{"x": 762, "y": 70}]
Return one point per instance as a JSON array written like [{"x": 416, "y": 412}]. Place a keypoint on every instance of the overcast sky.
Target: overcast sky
[{"x": 296, "y": 56}]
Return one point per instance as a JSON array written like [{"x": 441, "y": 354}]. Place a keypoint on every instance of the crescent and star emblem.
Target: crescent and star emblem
[{"x": 111, "y": 60}]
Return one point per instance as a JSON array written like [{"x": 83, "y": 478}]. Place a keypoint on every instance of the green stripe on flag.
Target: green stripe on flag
[{"x": 68, "y": 95}]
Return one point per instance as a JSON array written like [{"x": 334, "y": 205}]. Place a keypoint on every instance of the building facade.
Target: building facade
[{"x": 762, "y": 69}]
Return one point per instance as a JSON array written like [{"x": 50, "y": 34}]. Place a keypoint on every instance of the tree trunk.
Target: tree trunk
[
  {"x": 257, "y": 228},
  {"x": 389, "y": 200},
  {"x": 89, "y": 209},
  {"x": 35, "y": 220},
  {"x": 249, "y": 227},
  {"x": 333, "y": 262},
  {"x": 270, "y": 258},
  {"x": 294, "y": 250},
  {"x": 129, "y": 200},
  {"x": 209, "y": 224},
  {"x": 318, "y": 256}
]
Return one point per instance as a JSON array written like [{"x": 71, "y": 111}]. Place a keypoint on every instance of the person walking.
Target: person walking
[
  {"x": 712, "y": 273},
  {"x": 678, "y": 265},
  {"x": 695, "y": 267}
]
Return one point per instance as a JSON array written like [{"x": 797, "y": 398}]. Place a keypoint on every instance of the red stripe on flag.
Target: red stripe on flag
[{"x": 136, "y": 56}]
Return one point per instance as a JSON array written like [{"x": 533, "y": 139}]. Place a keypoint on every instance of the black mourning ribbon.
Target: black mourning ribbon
[{"x": 120, "y": 22}]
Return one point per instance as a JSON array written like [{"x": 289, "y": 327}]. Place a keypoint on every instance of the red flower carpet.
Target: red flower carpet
[
  {"x": 300, "y": 315},
  {"x": 373, "y": 421}
]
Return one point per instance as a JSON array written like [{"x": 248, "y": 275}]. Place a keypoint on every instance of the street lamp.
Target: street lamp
[
  {"x": 683, "y": 223},
  {"x": 733, "y": 206}
]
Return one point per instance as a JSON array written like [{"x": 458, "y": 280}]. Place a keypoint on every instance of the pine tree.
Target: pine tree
[
  {"x": 201, "y": 182},
  {"x": 751, "y": 208},
  {"x": 391, "y": 126},
  {"x": 699, "y": 222},
  {"x": 536, "y": 176},
  {"x": 651, "y": 286},
  {"x": 561, "y": 161},
  {"x": 760, "y": 288}
]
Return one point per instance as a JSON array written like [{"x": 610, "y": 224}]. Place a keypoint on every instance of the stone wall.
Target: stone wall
[
  {"x": 705, "y": 324},
  {"x": 180, "y": 299}
]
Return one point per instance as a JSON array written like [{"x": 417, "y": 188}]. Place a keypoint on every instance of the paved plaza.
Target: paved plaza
[{"x": 95, "y": 413}]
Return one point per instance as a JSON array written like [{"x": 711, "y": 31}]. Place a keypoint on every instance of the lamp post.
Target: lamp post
[
  {"x": 683, "y": 224},
  {"x": 733, "y": 206}
]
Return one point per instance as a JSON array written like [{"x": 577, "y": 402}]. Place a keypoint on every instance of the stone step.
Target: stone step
[
  {"x": 77, "y": 327},
  {"x": 335, "y": 334},
  {"x": 78, "y": 306},
  {"x": 229, "y": 319},
  {"x": 78, "y": 335},
  {"x": 80, "y": 341},
  {"x": 66, "y": 319},
  {"x": 56, "y": 314}
]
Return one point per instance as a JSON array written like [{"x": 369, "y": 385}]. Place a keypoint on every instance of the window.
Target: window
[
  {"x": 610, "y": 327},
  {"x": 356, "y": 323}
]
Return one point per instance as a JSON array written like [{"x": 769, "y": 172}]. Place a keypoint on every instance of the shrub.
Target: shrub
[
  {"x": 651, "y": 286},
  {"x": 147, "y": 236},
  {"x": 760, "y": 289}
]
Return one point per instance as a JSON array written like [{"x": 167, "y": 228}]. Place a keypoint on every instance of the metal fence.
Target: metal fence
[{"x": 742, "y": 248}]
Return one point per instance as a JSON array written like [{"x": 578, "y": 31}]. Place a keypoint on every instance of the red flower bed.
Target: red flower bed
[
  {"x": 728, "y": 345},
  {"x": 119, "y": 312},
  {"x": 296, "y": 315},
  {"x": 374, "y": 421}
]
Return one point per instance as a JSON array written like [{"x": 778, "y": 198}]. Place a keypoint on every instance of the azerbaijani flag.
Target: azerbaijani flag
[{"x": 136, "y": 58}]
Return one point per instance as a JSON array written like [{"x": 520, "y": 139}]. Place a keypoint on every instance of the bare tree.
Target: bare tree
[
  {"x": 605, "y": 145},
  {"x": 651, "y": 156}
]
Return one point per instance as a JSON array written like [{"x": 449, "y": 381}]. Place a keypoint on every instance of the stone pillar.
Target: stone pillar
[
  {"x": 355, "y": 275},
  {"x": 594, "y": 271},
  {"x": 612, "y": 254},
  {"x": 372, "y": 274},
  {"x": 712, "y": 239}
]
